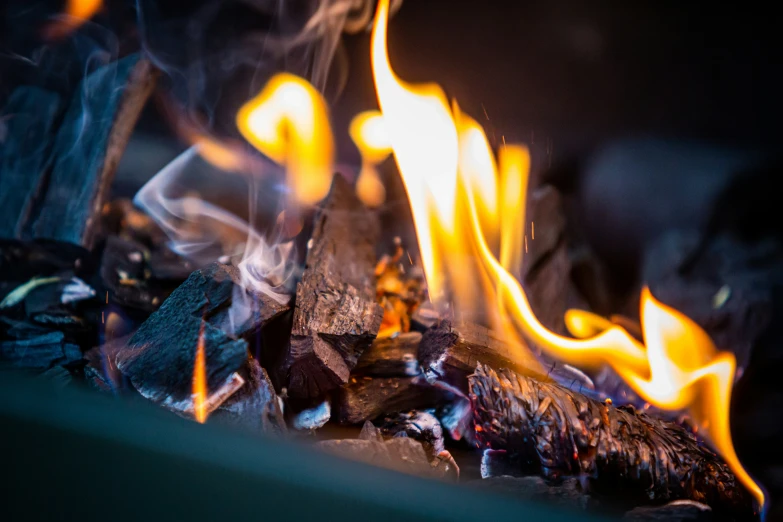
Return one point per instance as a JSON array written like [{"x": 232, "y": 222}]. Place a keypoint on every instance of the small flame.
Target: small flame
[
  {"x": 200, "y": 379},
  {"x": 463, "y": 203},
  {"x": 76, "y": 13},
  {"x": 288, "y": 122},
  {"x": 368, "y": 132}
]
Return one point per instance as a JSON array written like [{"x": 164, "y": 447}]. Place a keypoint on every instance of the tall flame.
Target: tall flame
[
  {"x": 446, "y": 165},
  {"x": 288, "y": 121}
]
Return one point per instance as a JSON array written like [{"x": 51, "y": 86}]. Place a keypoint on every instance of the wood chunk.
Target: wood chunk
[
  {"x": 449, "y": 352},
  {"x": 86, "y": 150},
  {"x": 558, "y": 432},
  {"x": 311, "y": 418},
  {"x": 255, "y": 405},
  {"x": 159, "y": 357},
  {"x": 336, "y": 316},
  {"x": 38, "y": 352},
  {"x": 367, "y": 398},
  {"x": 31, "y": 116},
  {"x": 391, "y": 357},
  {"x": 418, "y": 425}
]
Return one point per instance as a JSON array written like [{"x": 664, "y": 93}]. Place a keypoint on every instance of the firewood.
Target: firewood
[
  {"x": 159, "y": 357},
  {"x": 367, "y": 398},
  {"x": 391, "y": 357},
  {"x": 336, "y": 317},
  {"x": 57, "y": 185},
  {"x": 449, "y": 352},
  {"x": 559, "y": 432}
]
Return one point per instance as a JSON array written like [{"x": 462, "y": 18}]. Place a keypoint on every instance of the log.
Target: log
[
  {"x": 367, "y": 398},
  {"x": 336, "y": 317},
  {"x": 391, "y": 357},
  {"x": 559, "y": 432},
  {"x": 450, "y": 350},
  {"x": 57, "y": 169},
  {"x": 159, "y": 358}
]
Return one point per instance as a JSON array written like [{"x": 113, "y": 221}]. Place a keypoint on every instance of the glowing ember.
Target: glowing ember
[
  {"x": 200, "y": 379},
  {"x": 446, "y": 166},
  {"x": 289, "y": 123},
  {"x": 76, "y": 13}
]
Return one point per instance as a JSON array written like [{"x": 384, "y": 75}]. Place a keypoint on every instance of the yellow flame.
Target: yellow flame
[
  {"x": 289, "y": 123},
  {"x": 199, "y": 392},
  {"x": 443, "y": 155},
  {"x": 368, "y": 132},
  {"x": 76, "y": 13}
]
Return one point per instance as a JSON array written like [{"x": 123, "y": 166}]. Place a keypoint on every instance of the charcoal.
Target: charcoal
[
  {"x": 25, "y": 157},
  {"x": 449, "y": 351},
  {"x": 336, "y": 317},
  {"x": 86, "y": 150},
  {"x": 677, "y": 511},
  {"x": 125, "y": 275},
  {"x": 567, "y": 493},
  {"x": 558, "y": 432},
  {"x": 370, "y": 432},
  {"x": 313, "y": 417},
  {"x": 500, "y": 463},
  {"x": 39, "y": 352},
  {"x": 391, "y": 357},
  {"x": 59, "y": 376},
  {"x": 418, "y": 425},
  {"x": 254, "y": 406},
  {"x": 456, "y": 417},
  {"x": 367, "y": 398},
  {"x": 159, "y": 357}
]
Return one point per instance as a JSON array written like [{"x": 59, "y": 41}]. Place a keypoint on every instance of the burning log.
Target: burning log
[
  {"x": 367, "y": 398},
  {"x": 82, "y": 148},
  {"x": 559, "y": 432},
  {"x": 159, "y": 358},
  {"x": 391, "y": 357},
  {"x": 336, "y": 316}
]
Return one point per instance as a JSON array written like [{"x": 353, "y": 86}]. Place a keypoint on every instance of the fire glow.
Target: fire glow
[
  {"x": 199, "y": 393},
  {"x": 77, "y": 12},
  {"x": 466, "y": 207}
]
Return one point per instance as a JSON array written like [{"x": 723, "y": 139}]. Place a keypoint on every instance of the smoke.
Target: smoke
[{"x": 203, "y": 231}]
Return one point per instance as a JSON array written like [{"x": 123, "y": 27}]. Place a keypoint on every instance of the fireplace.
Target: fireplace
[{"x": 207, "y": 220}]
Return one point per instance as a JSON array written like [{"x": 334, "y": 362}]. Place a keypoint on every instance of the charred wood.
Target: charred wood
[
  {"x": 418, "y": 425},
  {"x": 58, "y": 169},
  {"x": 255, "y": 406},
  {"x": 38, "y": 352},
  {"x": 391, "y": 357},
  {"x": 449, "y": 352},
  {"x": 559, "y": 432},
  {"x": 336, "y": 316},
  {"x": 367, "y": 398},
  {"x": 159, "y": 357}
]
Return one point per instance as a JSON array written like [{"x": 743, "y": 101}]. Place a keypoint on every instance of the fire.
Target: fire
[
  {"x": 288, "y": 122},
  {"x": 369, "y": 134},
  {"x": 463, "y": 203},
  {"x": 200, "y": 380},
  {"x": 76, "y": 13}
]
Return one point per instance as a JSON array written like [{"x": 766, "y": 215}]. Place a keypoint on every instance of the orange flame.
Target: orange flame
[
  {"x": 200, "y": 379},
  {"x": 446, "y": 165},
  {"x": 289, "y": 123},
  {"x": 76, "y": 13},
  {"x": 369, "y": 134}
]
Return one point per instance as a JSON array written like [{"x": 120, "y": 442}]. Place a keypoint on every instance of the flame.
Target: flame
[
  {"x": 200, "y": 379},
  {"x": 288, "y": 121},
  {"x": 368, "y": 132},
  {"x": 76, "y": 13},
  {"x": 447, "y": 166}
]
